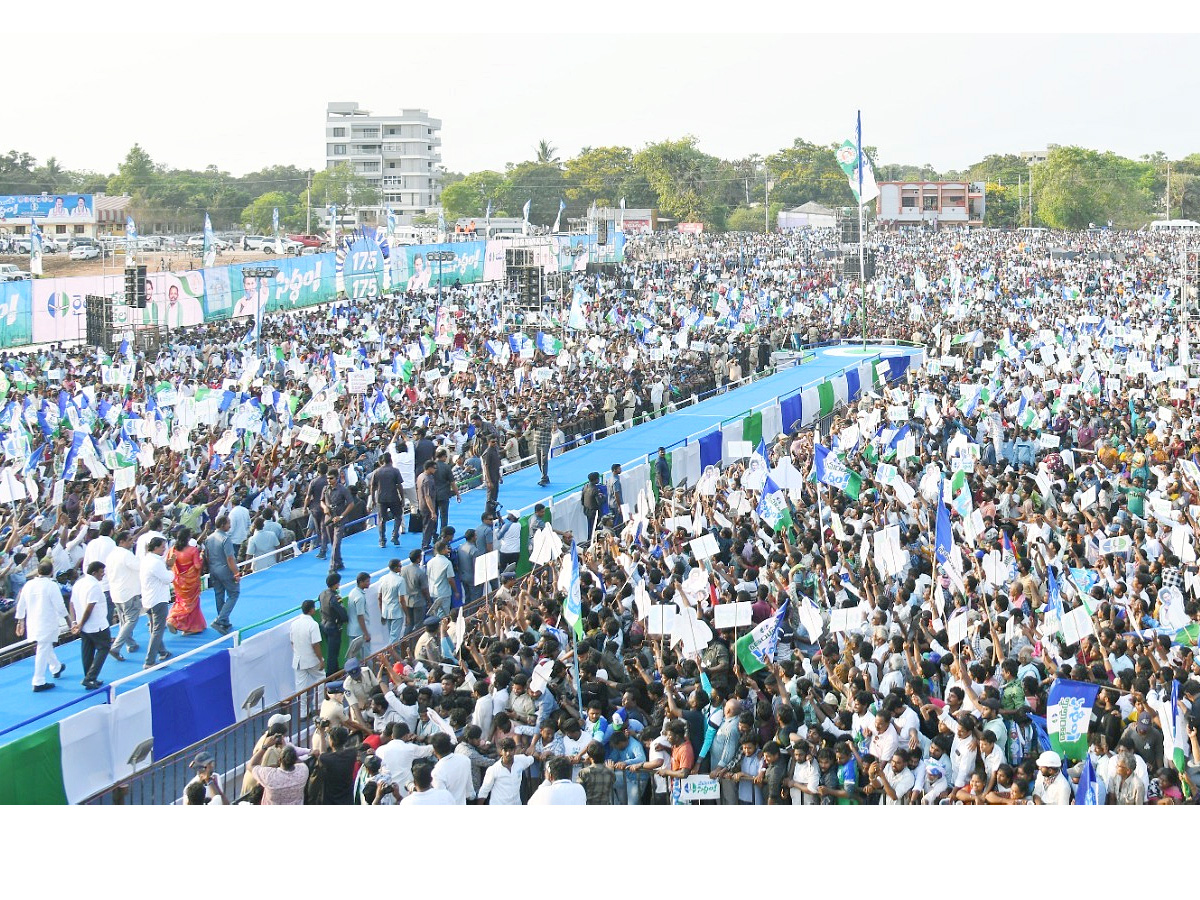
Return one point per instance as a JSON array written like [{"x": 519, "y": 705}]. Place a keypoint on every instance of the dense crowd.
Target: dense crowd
[{"x": 986, "y": 594}]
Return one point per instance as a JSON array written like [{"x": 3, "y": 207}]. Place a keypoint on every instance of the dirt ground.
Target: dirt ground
[{"x": 57, "y": 265}]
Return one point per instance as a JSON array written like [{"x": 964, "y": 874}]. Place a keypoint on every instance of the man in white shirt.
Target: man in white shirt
[
  {"x": 502, "y": 780},
  {"x": 399, "y": 754},
  {"x": 1051, "y": 786},
  {"x": 308, "y": 659},
  {"x": 156, "y": 597},
  {"x": 391, "y": 601},
  {"x": 424, "y": 793},
  {"x": 123, "y": 571},
  {"x": 40, "y": 611},
  {"x": 894, "y": 778},
  {"x": 89, "y": 608},
  {"x": 97, "y": 550},
  {"x": 558, "y": 789},
  {"x": 452, "y": 771}
]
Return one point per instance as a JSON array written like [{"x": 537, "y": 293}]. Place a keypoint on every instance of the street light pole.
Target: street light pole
[
  {"x": 259, "y": 273},
  {"x": 439, "y": 257}
]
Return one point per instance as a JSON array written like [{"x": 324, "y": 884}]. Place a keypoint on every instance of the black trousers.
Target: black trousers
[
  {"x": 394, "y": 510},
  {"x": 93, "y": 651},
  {"x": 493, "y": 493},
  {"x": 543, "y": 460},
  {"x": 333, "y": 649}
]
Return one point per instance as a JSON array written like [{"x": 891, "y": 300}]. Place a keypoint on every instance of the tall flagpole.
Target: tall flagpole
[{"x": 862, "y": 272}]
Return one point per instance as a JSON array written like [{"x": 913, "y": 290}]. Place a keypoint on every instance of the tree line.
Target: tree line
[{"x": 1073, "y": 188}]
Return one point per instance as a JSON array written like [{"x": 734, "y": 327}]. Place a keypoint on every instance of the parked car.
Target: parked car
[
  {"x": 84, "y": 251},
  {"x": 290, "y": 248},
  {"x": 9, "y": 272},
  {"x": 310, "y": 251},
  {"x": 196, "y": 242},
  {"x": 307, "y": 240}
]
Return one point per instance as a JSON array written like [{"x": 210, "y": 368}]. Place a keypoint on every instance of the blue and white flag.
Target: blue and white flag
[
  {"x": 1068, "y": 713},
  {"x": 525, "y": 216},
  {"x": 772, "y": 507},
  {"x": 1091, "y": 790},
  {"x": 71, "y": 462},
  {"x": 275, "y": 226},
  {"x": 210, "y": 247},
  {"x": 944, "y": 536},
  {"x": 832, "y": 471},
  {"x": 569, "y": 581},
  {"x": 487, "y": 220},
  {"x": 562, "y": 204}
]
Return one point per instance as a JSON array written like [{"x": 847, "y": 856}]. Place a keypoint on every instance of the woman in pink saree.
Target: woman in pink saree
[{"x": 184, "y": 560}]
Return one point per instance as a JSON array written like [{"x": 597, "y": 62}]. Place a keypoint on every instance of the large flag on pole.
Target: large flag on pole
[
  {"x": 210, "y": 249},
  {"x": 487, "y": 220},
  {"x": 1068, "y": 712},
  {"x": 943, "y": 537},
  {"x": 576, "y": 318},
  {"x": 857, "y": 167},
  {"x": 525, "y": 216},
  {"x": 756, "y": 649},
  {"x": 621, "y": 216},
  {"x": 35, "y": 248},
  {"x": 568, "y": 581},
  {"x": 773, "y": 508},
  {"x": 833, "y": 472},
  {"x": 1090, "y": 791},
  {"x": 275, "y": 225},
  {"x": 130, "y": 242},
  {"x": 562, "y": 204}
]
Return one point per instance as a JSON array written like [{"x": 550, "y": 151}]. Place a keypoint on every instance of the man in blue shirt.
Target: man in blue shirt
[{"x": 624, "y": 752}]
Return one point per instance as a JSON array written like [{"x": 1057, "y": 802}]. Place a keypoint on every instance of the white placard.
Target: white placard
[
  {"x": 733, "y": 615},
  {"x": 699, "y": 787},
  {"x": 956, "y": 628},
  {"x": 660, "y": 618},
  {"x": 124, "y": 477},
  {"x": 356, "y": 381},
  {"x": 1122, "y": 543},
  {"x": 705, "y": 546},
  {"x": 487, "y": 567},
  {"x": 103, "y": 505}
]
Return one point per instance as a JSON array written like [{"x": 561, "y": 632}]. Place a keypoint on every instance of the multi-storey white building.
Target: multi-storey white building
[{"x": 399, "y": 154}]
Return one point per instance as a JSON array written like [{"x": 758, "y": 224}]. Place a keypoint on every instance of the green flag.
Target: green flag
[
  {"x": 825, "y": 393},
  {"x": 752, "y": 428}
]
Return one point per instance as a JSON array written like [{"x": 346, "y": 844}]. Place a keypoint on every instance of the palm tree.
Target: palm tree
[{"x": 547, "y": 153}]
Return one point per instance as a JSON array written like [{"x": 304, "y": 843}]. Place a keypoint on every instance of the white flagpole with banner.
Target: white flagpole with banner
[
  {"x": 275, "y": 225},
  {"x": 525, "y": 217},
  {"x": 210, "y": 250},
  {"x": 130, "y": 242},
  {"x": 35, "y": 248}
]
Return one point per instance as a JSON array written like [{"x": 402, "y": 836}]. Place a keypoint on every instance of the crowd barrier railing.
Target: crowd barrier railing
[{"x": 163, "y": 780}]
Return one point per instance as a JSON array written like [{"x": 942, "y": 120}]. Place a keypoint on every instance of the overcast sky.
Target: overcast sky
[{"x": 215, "y": 100}]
